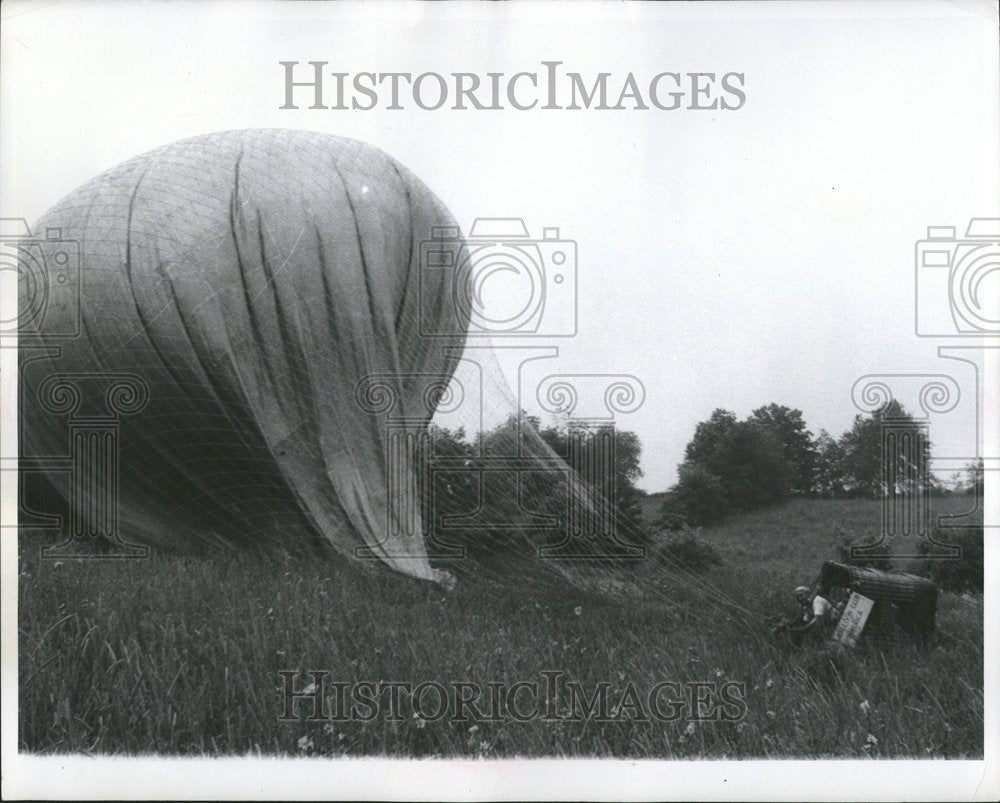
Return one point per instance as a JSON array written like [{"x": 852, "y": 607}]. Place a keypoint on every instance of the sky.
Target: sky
[{"x": 724, "y": 258}]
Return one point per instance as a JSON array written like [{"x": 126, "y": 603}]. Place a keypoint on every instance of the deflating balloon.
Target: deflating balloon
[{"x": 251, "y": 280}]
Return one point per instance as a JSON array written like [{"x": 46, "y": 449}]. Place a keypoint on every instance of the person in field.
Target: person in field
[
  {"x": 815, "y": 609},
  {"x": 815, "y": 618}
]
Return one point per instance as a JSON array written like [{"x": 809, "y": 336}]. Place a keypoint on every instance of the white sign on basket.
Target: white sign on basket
[{"x": 852, "y": 621}]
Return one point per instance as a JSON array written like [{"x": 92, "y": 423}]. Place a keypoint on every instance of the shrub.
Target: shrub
[
  {"x": 697, "y": 498},
  {"x": 875, "y": 555},
  {"x": 672, "y": 516},
  {"x": 687, "y": 551},
  {"x": 961, "y": 574}
]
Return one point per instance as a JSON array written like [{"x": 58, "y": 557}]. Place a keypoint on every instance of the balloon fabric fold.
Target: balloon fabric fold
[{"x": 250, "y": 282}]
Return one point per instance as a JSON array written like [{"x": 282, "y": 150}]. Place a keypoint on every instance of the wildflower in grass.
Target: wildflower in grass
[
  {"x": 871, "y": 742},
  {"x": 865, "y": 707},
  {"x": 328, "y": 728},
  {"x": 689, "y": 730},
  {"x": 305, "y": 744},
  {"x": 770, "y": 714},
  {"x": 419, "y": 721},
  {"x": 741, "y": 727},
  {"x": 769, "y": 683},
  {"x": 719, "y": 673},
  {"x": 471, "y": 740},
  {"x": 578, "y": 610},
  {"x": 310, "y": 689}
]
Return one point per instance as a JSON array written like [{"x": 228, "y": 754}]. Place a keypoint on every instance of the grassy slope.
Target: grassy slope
[{"x": 180, "y": 655}]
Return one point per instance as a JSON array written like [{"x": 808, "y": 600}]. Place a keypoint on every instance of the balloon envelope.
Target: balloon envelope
[{"x": 250, "y": 283}]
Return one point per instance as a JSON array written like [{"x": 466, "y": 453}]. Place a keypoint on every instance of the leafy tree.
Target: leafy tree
[
  {"x": 797, "y": 444},
  {"x": 862, "y": 452},
  {"x": 746, "y": 456},
  {"x": 708, "y": 445},
  {"x": 756, "y": 473},
  {"x": 828, "y": 477},
  {"x": 975, "y": 478},
  {"x": 697, "y": 498},
  {"x": 622, "y": 449},
  {"x": 524, "y": 494}
]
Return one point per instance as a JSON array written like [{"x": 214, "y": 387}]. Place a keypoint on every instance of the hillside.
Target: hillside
[
  {"x": 785, "y": 540},
  {"x": 182, "y": 655}
]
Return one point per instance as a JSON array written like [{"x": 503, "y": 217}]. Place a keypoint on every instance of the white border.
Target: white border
[
  {"x": 261, "y": 778},
  {"x": 544, "y": 779}
]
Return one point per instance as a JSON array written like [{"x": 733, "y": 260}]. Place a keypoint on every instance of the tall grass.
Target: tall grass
[{"x": 178, "y": 655}]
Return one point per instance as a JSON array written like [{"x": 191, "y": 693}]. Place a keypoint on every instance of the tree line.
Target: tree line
[
  {"x": 730, "y": 465},
  {"x": 512, "y": 483},
  {"x": 737, "y": 465}
]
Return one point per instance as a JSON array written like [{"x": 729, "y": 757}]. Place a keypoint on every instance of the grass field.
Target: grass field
[{"x": 181, "y": 655}]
